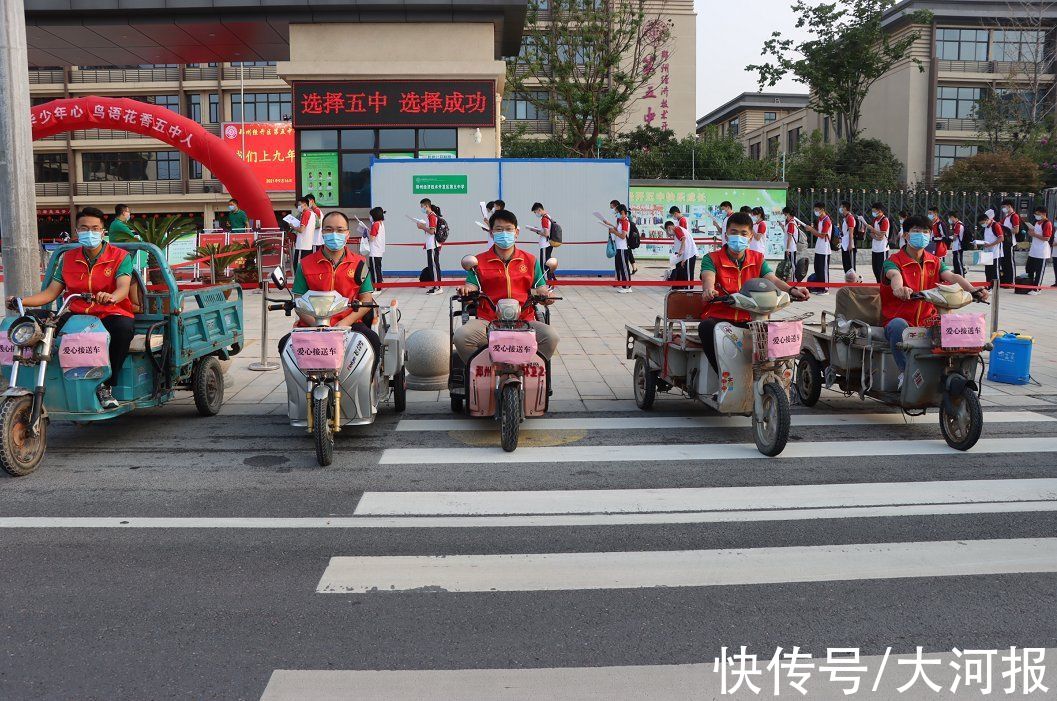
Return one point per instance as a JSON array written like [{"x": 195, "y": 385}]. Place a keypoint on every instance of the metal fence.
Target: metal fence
[{"x": 968, "y": 205}]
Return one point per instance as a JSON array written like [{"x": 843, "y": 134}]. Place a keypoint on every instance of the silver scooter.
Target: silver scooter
[{"x": 333, "y": 378}]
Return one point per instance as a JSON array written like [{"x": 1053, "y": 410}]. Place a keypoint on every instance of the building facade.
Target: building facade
[{"x": 930, "y": 116}]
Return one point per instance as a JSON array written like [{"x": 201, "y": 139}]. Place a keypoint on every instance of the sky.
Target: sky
[{"x": 730, "y": 35}]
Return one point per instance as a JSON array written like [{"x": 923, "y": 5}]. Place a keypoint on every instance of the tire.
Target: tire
[
  {"x": 510, "y": 418},
  {"x": 400, "y": 391},
  {"x": 456, "y": 404},
  {"x": 20, "y": 453},
  {"x": 962, "y": 430},
  {"x": 645, "y": 381},
  {"x": 808, "y": 379},
  {"x": 771, "y": 430},
  {"x": 207, "y": 384},
  {"x": 322, "y": 431}
]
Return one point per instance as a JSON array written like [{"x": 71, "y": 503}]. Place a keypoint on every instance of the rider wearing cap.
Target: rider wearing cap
[
  {"x": 724, "y": 272},
  {"x": 913, "y": 269},
  {"x": 504, "y": 272}
]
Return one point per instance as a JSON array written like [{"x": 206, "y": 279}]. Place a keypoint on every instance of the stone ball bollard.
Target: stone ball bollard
[{"x": 428, "y": 358}]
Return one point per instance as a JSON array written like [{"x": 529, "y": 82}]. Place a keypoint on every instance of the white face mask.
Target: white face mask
[
  {"x": 818, "y": 213},
  {"x": 875, "y": 215}
]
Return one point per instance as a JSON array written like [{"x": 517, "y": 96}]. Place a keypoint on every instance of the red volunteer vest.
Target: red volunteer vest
[
  {"x": 500, "y": 280},
  {"x": 916, "y": 277},
  {"x": 101, "y": 277},
  {"x": 344, "y": 278},
  {"x": 729, "y": 279}
]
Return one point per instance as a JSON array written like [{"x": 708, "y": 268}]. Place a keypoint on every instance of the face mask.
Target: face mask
[
  {"x": 737, "y": 243},
  {"x": 503, "y": 239},
  {"x": 755, "y": 219},
  {"x": 539, "y": 215},
  {"x": 932, "y": 216},
  {"x": 231, "y": 208},
  {"x": 1005, "y": 210},
  {"x": 818, "y": 213},
  {"x": 918, "y": 239},
  {"x": 334, "y": 241},
  {"x": 875, "y": 214},
  {"x": 426, "y": 210},
  {"x": 951, "y": 222},
  {"x": 90, "y": 239}
]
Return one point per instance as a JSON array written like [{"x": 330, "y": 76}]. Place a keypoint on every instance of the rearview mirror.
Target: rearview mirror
[
  {"x": 469, "y": 263},
  {"x": 278, "y": 278},
  {"x": 551, "y": 264}
]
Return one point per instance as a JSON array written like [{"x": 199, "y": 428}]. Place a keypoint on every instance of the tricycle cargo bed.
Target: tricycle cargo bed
[{"x": 210, "y": 322}]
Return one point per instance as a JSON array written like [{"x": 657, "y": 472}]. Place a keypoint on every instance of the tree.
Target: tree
[
  {"x": 992, "y": 172},
  {"x": 865, "y": 163},
  {"x": 584, "y": 63},
  {"x": 849, "y": 53}
]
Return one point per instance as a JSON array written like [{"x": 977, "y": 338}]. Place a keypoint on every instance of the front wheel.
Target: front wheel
[
  {"x": 400, "y": 390},
  {"x": 645, "y": 384},
  {"x": 962, "y": 427},
  {"x": 20, "y": 451},
  {"x": 808, "y": 379},
  {"x": 322, "y": 431},
  {"x": 207, "y": 384},
  {"x": 510, "y": 416},
  {"x": 770, "y": 428}
]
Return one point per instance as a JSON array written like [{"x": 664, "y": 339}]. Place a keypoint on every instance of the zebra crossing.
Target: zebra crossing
[{"x": 807, "y": 524}]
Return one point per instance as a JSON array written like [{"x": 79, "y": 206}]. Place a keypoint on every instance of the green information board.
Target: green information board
[
  {"x": 320, "y": 176},
  {"x": 650, "y": 204},
  {"x": 439, "y": 184}
]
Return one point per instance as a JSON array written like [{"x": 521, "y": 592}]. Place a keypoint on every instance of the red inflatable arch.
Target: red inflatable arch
[{"x": 122, "y": 114}]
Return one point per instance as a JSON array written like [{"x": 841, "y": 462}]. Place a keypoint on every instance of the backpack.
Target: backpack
[
  {"x": 442, "y": 230},
  {"x": 634, "y": 239},
  {"x": 555, "y": 233}
]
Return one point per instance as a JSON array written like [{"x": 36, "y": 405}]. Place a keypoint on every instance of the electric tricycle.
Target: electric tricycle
[
  {"x": 56, "y": 360},
  {"x": 848, "y": 353},
  {"x": 755, "y": 364}
]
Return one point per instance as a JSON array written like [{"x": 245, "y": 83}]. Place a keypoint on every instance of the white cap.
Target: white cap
[{"x": 990, "y": 214}]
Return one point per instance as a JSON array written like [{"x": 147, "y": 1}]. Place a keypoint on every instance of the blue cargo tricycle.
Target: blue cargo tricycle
[{"x": 181, "y": 337}]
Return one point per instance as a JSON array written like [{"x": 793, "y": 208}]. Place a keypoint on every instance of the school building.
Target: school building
[{"x": 973, "y": 48}]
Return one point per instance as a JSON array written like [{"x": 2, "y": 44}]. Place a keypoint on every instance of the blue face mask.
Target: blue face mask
[
  {"x": 918, "y": 239},
  {"x": 737, "y": 243},
  {"x": 503, "y": 239},
  {"x": 335, "y": 241},
  {"x": 90, "y": 239}
]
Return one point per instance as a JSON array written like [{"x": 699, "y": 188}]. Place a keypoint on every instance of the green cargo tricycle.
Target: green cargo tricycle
[{"x": 181, "y": 337}]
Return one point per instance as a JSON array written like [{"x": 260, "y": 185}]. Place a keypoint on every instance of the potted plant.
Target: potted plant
[
  {"x": 162, "y": 232},
  {"x": 222, "y": 257}
]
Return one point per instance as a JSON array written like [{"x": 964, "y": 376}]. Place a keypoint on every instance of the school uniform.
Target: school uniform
[
  {"x": 305, "y": 242},
  {"x": 1011, "y": 225},
  {"x": 758, "y": 242},
  {"x": 620, "y": 260},
  {"x": 879, "y": 248},
  {"x": 546, "y": 249},
  {"x": 684, "y": 253},
  {"x": 376, "y": 248},
  {"x": 957, "y": 248},
  {"x": 791, "y": 236},
  {"x": 993, "y": 235},
  {"x": 822, "y": 251},
  {"x": 1041, "y": 250},
  {"x": 432, "y": 249},
  {"x": 847, "y": 241}
]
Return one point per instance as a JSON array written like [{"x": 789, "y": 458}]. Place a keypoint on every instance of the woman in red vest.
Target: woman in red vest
[
  {"x": 724, "y": 272},
  {"x": 913, "y": 269},
  {"x": 105, "y": 272}
]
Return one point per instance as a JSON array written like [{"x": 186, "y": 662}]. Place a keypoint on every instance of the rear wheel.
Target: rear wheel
[
  {"x": 207, "y": 384},
  {"x": 645, "y": 384},
  {"x": 770, "y": 428},
  {"x": 20, "y": 452},
  {"x": 456, "y": 404},
  {"x": 808, "y": 379},
  {"x": 962, "y": 427},
  {"x": 322, "y": 431},
  {"x": 400, "y": 390},
  {"x": 510, "y": 418}
]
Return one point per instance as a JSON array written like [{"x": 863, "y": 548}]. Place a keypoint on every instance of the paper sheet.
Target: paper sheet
[
  {"x": 484, "y": 227},
  {"x": 292, "y": 220},
  {"x": 417, "y": 221}
]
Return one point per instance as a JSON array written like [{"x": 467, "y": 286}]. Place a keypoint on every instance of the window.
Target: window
[
  {"x": 769, "y": 117},
  {"x": 732, "y": 126},
  {"x": 214, "y": 108},
  {"x": 319, "y": 140},
  {"x": 194, "y": 107},
  {"x": 772, "y": 146},
  {"x": 438, "y": 139},
  {"x": 1027, "y": 45},
  {"x": 518, "y": 106},
  {"x": 792, "y": 138},
  {"x": 169, "y": 101},
  {"x": 50, "y": 168},
  {"x": 947, "y": 154},
  {"x": 956, "y": 102},
  {"x": 356, "y": 179},
  {"x": 961, "y": 44},
  {"x": 396, "y": 140},
  {"x": 131, "y": 165},
  {"x": 201, "y": 65},
  {"x": 261, "y": 107},
  {"x": 194, "y": 168},
  {"x": 252, "y": 64},
  {"x": 754, "y": 151}
]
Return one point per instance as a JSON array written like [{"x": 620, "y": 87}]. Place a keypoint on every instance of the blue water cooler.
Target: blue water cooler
[{"x": 1010, "y": 359}]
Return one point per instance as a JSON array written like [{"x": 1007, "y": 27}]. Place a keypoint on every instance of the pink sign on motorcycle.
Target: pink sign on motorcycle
[
  {"x": 963, "y": 330},
  {"x": 85, "y": 349},
  {"x": 784, "y": 338},
  {"x": 7, "y": 352},
  {"x": 512, "y": 347},
  {"x": 318, "y": 350}
]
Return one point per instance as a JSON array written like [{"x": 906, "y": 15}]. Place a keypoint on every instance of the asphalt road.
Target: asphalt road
[{"x": 110, "y": 605}]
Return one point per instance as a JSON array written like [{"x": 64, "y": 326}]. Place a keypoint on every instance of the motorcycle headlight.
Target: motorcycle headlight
[
  {"x": 25, "y": 332},
  {"x": 508, "y": 310}
]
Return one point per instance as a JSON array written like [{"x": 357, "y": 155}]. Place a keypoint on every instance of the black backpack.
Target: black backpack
[
  {"x": 442, "y": 230},
  {"x": 555, "y": 233},
  {"x": 634, "y": 239}
]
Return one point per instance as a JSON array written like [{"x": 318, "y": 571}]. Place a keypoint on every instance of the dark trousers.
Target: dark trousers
[
  {"x": 848, "y": 259},
  {"x": 620, "y": 262},
  {"x": 791, "y": 257},
  {"x": 877, "y": 260},
  {"x": 821, "y": 271},
  {"x": 707, "y": 331},
  {"x": 991, "y": 272},
  {"x": 684, "y": 271},
  {"x": 121, "y": 330},
  {"x": 1008, "y": 265},
  {"x": 958, "y": 258},
  {"x": 1055, "y": 271},
  {"x": 376, "y": 269},
  {"x": 545, "y": 254},
  {"x": 631, "y": 256},
  {"x": 1036, "y": 267},
  {"x": 433, "y": 263}
]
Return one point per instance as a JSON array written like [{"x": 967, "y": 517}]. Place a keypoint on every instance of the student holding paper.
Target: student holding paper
[
  {"x": 544, "y": 231},
  {"x": 957, "y": 230},
  {"x": 305, "y": 230},
  {"x": 879, "y": 231},
  {"x": 823, "y": 231},
  {"x": 620, "y": 232},
  {"x": 376, "y": 243},
  {"x": 792, "y": 235},
  {"x": 614, "y": 207},
  {"x": 1041, "y": 238},
  {"x": 993, "y": 236},
  {"x": 429, "y": 227}
]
